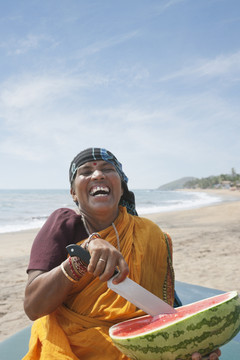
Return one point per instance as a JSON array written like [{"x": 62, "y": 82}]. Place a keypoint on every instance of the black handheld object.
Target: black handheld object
[{"x": 79, "y": 251}]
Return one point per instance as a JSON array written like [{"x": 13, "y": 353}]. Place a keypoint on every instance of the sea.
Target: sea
[{"x": 29, "y": 209}]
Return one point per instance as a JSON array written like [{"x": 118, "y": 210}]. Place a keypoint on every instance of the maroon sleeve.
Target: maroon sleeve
[{"x": 63, "y": 227}]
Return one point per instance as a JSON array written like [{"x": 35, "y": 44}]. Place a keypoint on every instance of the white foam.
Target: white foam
[
  {"x": 34, "y": 224},
  {"x": 198, "y": 200}
]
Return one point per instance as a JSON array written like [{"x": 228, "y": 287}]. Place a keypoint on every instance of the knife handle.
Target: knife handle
[{"x": 79, "y": 251}]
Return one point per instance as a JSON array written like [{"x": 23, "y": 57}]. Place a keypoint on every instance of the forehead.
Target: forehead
[{"x": 94, "y": 163}]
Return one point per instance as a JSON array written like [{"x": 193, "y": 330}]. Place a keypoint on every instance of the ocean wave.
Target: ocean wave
[
  {"x": 195, "y": 200},
  {"x": 21, "y": 226}
]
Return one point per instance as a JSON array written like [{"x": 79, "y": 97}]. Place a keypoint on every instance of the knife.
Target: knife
[{"x": 128, "y": 289}]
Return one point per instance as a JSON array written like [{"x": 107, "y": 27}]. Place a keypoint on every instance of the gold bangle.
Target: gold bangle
[{"x": 66, "y": 274}]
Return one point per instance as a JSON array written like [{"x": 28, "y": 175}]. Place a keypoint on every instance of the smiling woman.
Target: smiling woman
[
  {"x": 70, "y": 301},
  {"x": 87, "y": 160},
  {"x": 97, "y": 185}
]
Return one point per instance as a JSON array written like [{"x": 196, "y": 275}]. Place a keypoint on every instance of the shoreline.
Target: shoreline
[
  {"x": 206, "y": 250},
  {"x": 227, "y": 194}
]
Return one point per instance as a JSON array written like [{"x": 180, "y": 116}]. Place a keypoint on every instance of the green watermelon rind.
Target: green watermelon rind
[{"x": 204, "y": 332}]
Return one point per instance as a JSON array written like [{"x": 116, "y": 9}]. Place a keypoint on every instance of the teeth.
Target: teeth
[{"x": 99, "y": 190}]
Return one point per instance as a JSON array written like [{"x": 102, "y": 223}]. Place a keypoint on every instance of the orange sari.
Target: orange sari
[{"x": 78, "y": 329}]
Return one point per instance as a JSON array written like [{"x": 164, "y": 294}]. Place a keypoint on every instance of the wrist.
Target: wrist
[
  {"x": 91, "y": 237},
  {"x": 79, "y": 267},
  {"x": 66, "y": 270}
]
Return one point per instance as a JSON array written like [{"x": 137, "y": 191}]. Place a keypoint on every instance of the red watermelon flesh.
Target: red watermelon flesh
[{"x": 136, "y": 326}]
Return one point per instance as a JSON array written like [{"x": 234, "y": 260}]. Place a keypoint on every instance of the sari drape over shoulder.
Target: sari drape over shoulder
[{"x": 78, "y": 329}]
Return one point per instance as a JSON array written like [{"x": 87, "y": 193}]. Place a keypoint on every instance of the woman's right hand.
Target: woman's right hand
[{"x": 105, "y": 258}]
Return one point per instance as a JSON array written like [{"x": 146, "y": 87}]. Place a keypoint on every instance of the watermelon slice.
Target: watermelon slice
[{"x": 202, "y": 326}]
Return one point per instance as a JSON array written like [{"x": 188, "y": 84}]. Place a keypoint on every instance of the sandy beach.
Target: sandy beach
[{"x": 206, "y": 243}]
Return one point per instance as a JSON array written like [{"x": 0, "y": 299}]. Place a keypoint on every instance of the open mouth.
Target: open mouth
[{"x": 99, "y": 191}]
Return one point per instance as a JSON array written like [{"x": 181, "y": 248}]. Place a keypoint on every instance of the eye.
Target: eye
[
  {"x": 85, "y": 173},
  {"x": 108, "y": 169}
]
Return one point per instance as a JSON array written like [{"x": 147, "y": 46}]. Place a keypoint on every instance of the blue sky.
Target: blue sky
[{"x": 155, "y": 82}]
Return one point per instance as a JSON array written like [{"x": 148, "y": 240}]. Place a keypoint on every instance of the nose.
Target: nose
[{"x": 98, "y": 174}]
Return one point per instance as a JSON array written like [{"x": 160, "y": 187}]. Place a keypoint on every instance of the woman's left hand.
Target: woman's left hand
[{"x": 213, "y": 356}]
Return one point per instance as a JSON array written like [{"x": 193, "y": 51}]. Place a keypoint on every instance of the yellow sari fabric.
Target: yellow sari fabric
[{"x": 78, "y": 329}]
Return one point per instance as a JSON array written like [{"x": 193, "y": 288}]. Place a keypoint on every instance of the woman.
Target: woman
[{"x": 71, "y": 304}]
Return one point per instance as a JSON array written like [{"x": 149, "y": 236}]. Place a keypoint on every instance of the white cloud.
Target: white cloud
[
  {"x": 29, "y": 43},
  {"x": 222, "y": 65},
  {"x": 167, "y": 4},
  {"x": 22, "y": 45},
  {"x": 31, "y": 119},
  {"x": 36, "y": 90},
  {"x": 107, "y": 43},
  {"x": 30, "y": 91},
  {"x": 19, "y": 148}
]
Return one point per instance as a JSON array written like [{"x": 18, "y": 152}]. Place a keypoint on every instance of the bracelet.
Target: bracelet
[
  {"x": 66, "y": 274},
  {"x": 79, "y": 266},
  {"x": 74, "y": 273},
  {"x": 90, "y": 238}
]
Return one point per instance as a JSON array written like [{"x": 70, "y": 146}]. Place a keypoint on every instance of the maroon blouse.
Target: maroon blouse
[{"x": 63, "y": 227}]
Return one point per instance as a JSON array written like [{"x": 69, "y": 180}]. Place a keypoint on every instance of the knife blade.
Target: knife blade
[{"x": 128, "y": 289}]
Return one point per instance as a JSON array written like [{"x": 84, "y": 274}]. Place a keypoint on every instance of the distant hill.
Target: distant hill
[{"x": 177, "y": 184}]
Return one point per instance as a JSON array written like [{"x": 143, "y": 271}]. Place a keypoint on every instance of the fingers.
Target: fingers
[
  {"x": 123, "y": 271},
  {"x": 105, "y": 258},
  {"x": 196, "y": 356},
  {"x": 213, "y": 356},
  {"x": 97, "y": 266},
  {"x": 218, "y": 352}
]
